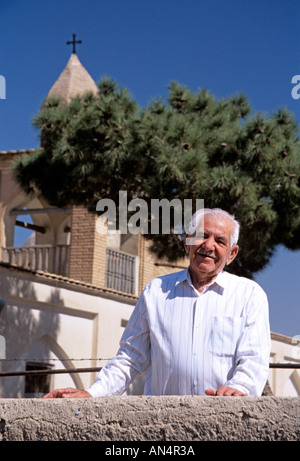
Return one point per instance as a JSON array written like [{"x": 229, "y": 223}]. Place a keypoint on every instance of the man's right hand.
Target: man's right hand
[{"x": 67, "y": 393}]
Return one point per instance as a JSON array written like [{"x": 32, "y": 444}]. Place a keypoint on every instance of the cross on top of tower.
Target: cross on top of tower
[{"x": 73, "y": 42}]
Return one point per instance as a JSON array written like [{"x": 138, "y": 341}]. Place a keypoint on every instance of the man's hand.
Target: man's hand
[
  {"x": 67, "y": 393},
  {"x": 225, "y": 391}
]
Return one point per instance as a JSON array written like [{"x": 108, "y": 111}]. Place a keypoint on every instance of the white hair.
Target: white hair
[{"x": 198, "y": 216}]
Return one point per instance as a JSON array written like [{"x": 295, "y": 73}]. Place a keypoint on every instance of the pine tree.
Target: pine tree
[
  {"x": 85, "y": 148},
  {"x": 191, "y": 146}
]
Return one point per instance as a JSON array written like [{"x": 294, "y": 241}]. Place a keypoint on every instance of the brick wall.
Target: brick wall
[
  {"x": 87, "y": 250},
  {"x": 150, "y": 267},
  {"x": 88, "y": 253}
]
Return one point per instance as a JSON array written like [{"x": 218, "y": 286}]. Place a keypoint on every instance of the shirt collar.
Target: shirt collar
[{"x": 220, "y": 280}]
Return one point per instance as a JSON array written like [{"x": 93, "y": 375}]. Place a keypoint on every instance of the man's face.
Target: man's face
[{"x": 211, "y": 251}]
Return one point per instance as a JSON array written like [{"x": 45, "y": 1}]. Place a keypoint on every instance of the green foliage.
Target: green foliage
[
  {"x": 191, "y": 146},
  {"x": 85, "y": 148}
]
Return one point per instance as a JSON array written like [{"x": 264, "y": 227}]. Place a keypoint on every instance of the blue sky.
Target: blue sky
[{"x": 227, "y": 47}]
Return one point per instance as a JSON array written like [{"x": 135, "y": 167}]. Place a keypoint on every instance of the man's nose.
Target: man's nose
[{"x": 209, "y": 243}]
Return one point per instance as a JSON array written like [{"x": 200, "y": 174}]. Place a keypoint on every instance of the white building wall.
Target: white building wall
[
  {"x": 285, "y": 382},
  {"x": 50, "y": 319}
]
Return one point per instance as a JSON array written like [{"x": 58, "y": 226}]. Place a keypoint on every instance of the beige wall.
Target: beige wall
[{"x": 52, "y": 320}]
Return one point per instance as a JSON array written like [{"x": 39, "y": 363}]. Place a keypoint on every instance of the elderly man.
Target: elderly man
[{"x": 195, "y": 332}]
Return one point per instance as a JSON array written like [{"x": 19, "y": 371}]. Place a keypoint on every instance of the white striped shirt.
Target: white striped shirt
[{"x": 187, "y": 341}]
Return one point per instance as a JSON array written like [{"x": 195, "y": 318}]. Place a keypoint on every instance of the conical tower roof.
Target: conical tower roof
[{"x": 74, "y": 80}]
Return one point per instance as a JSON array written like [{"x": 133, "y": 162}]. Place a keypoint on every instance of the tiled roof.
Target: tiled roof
[
  {"x": 40, "y": 275},
  {"x": 16, "y": 152}
]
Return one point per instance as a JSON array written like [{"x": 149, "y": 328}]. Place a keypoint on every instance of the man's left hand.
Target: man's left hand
[{"x": 225, "y": 391}]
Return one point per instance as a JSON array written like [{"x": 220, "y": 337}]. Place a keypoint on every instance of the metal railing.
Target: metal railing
[
  {"x": 121, "y": 268},
  {"x": 47, "y": 258},
  {"x": 121, "y": 271},
  {"x": 96, "y": 369}
]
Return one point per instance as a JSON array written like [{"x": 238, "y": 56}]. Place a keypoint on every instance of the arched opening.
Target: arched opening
[
  {"x": 24, "y": 234},
  {"x": 37, "y": 236},
  {"x": 46, "y": 355}
]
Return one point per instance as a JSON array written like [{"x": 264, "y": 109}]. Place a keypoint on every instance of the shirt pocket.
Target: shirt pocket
[{"x": 224, "y": 335}]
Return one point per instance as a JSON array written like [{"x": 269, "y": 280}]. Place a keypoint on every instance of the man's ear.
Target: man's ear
[
  {"x": 232, "y": 255},
  {"x": 186, "y": 246}
]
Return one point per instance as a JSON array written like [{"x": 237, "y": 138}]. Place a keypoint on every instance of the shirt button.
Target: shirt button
[{"x": 195, "y": 383}]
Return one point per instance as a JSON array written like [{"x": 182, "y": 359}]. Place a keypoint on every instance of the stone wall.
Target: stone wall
[{"x": 160, "y": 419}]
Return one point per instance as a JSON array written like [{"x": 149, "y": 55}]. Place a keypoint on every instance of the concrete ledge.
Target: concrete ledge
[{"x": 140, "y": 418}]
